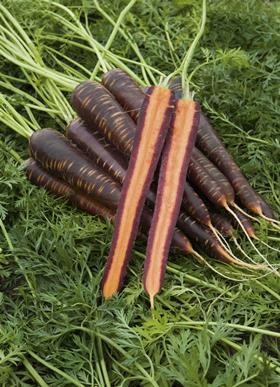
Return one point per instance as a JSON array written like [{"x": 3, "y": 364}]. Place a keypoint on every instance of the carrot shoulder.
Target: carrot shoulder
[
  {"x": 153, "y": 125},
  {"x": 175, "y": 160}
]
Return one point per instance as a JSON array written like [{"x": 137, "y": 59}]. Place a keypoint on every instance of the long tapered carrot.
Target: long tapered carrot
[
  {"x": 97, "y": 149},
  {"x": 193, "y": 205},
  {"x": 56, "y": 154},
  {"x": 215, "y": 173},
  {"x": 202, "y": 181},
  {"x": 210, "y": 144},
  {"x": 42, "y": 178},
  {"x": 126, "y": 91},
  {"x": 100, "y": 110},
  {"x": 37, "y": 175},
  {"x": 130, "y": 96},
  {"x": 175, "y": 160},
  {"x": 153, "y": 124}
]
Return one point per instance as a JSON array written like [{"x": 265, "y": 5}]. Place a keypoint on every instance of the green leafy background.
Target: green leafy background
[{"x": 206, "y": 330}]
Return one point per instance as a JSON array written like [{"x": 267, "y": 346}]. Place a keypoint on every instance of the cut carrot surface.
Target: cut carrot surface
[
  {"x": 175, "y": 159},
  {"x": 152, "y": 128}
]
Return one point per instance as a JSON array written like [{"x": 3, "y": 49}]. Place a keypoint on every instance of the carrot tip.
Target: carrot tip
[{"x": 152, "y": 301}]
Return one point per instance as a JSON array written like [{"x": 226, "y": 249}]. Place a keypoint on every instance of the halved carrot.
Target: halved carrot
[
  {"x": 153, "y": 125},
  {"x": 210, "y": 144},
  {"x": 37, "y": 175},
  {"x": 173, "y": 170}
]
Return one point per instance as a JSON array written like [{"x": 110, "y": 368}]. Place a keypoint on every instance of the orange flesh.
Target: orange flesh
[
  {"x": 155, "y": 115},
  {"x": 182, "y": 126}
]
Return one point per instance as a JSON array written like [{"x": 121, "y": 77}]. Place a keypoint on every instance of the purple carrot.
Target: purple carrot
[
  {"x": 40, "y": 177},
  {"x": 100, "y": 111},
  {"x": 210, "y": 144},
  {"x": 175, "y": 159},
  {"x": 56, "y": 154},
  {"x": 153, "y": 124}
]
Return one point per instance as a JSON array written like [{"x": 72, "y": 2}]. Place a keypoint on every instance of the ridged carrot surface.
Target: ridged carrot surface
[
  {"x": 59, "y": 156},
  {"x": 100, "y": 110},
  {"x": 42, "y": 178},
  {"x": 97, "y": 149},
  {"x": 210, "y": 144},
  {"x": 125, "y": 90},
  {"x": 174, "y": 164},
  {"x": 153, "y": 125},
  {"x": 37, "y": 175}
]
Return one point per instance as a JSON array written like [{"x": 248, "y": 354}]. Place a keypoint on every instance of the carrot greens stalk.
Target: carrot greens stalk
[
  {"x": 153, "y": 124},
  {"x": 175, "y": 159}
]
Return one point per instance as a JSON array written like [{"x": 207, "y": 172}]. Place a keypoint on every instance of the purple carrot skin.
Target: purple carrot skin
[
  {"x": 193, "y": 205},
  {"x": 109, "y": 159},
  {"x": 115, "y": 84},
  {"x": 216, "y": 174},
  {"x": 40, "y": 177},
  {"x": 210, "y": 144},
  {"x": 205, "y": 239},
  {"x": 125, "y": 90},
  {"x": 97, "y": 149},
  {"x": 174, "y": 164},
  {"x": 179, "y": 241},
  {"x": 100, "y": 111},
  {"x": 152, "y": 128},
  {"x": 199, "y": 178},
  {"x": 100, "y": 152},
  {"x": 56, "y": 154},
  {"x": 221, "y": 223}
]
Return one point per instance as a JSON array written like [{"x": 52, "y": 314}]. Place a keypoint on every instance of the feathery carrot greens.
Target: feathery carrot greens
[{"x": 207, "y": 328}]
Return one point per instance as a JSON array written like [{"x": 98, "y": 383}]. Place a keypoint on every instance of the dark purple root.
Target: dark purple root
[
  {"x": 202, "y": 237},
  {"x": 100, "y": 111},
  {"x": 125, "y": 90},
  {"x": 148, "y": 179},
  {"x": 221, "y": 223},
  {"x": 160, "y": 204},
  {"x": 210, "y": 144},
  {"x": 40, "y": 177},
  {"x": 57, "y": 155},
  {"x": 194, "y": 206},
  {"x": 97, "y": 149}
]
